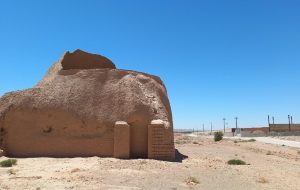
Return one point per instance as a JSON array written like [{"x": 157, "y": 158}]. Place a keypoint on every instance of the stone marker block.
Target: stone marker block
[
  {"x": 121, "y": 140},
  {"x": 160, "y": 141}
]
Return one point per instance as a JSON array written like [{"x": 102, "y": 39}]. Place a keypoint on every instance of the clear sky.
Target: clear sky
[{"x": 217, "y": 58}]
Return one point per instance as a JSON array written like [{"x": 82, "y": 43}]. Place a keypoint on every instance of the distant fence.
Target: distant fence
[
  {"x": 184, "y": 130},
  {"x": 193, "y": 131},
  {"x": 272, "y": 130},
  {"x": 284, "y": 127}
]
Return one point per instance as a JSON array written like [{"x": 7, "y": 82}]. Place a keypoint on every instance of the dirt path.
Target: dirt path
[
  {"x": 269, "y": 167},
  {"x": 271, "y": 140}
]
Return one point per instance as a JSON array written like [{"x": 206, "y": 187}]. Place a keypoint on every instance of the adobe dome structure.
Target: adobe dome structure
[{"x": 84, "y": 106}]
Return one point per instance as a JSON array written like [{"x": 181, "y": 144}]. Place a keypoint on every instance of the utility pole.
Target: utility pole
[
  {"x": 203, "y": 127},
  {"x": 211, "y": 127},
  {"x": 236, "y": 126},
  {"x": 224, "y": 119},
  {"x": 289, "y": 122},
  {"x": 269, "y": 123}
]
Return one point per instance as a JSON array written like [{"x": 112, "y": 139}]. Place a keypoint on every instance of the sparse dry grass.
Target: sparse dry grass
[
  {"x": 143, "y": 162},
  {"x": 183, "y": 139},
  {"x": 192, "y": 181},
  {"x": 269, "y": 153},
  {"x": 262, "y": 180},
  {"x": 75, "y": 170},
  {"x": 12, "y": 172},
  {"x": 250, "y": 140},
  {"x": 244, "y": 141}
]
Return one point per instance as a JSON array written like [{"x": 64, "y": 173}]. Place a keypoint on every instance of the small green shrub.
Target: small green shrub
[
  {"x": 218, "y": 136},
  {"x": 236, "y": 162},
  {"x": 143, "y": 162},
  {"x": 250, "y": 140},
  {"x": 8, "y": 163}
]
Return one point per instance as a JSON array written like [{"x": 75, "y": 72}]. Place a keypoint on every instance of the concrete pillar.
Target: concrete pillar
[
  {"x": 122, "y": 140},
  {"x": 160, "y": 141}
]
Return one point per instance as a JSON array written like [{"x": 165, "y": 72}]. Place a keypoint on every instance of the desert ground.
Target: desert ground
[
  {"x": 201, "y": 164},
  {"x": 291, "y": 138}
]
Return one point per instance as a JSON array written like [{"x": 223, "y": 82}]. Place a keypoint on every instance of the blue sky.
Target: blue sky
[{"x": 217, "y": 58}]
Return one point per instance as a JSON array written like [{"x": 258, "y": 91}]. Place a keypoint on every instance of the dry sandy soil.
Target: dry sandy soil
[
  {"x": 269, "y": 167},
  {"x": 290, "y": 141},
  {"x": 291, "y": 138}
]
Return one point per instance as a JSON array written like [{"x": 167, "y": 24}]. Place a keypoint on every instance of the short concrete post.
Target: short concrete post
[
  {"x": 160, "y": 141},
  {"x": 122, "y": 140}
]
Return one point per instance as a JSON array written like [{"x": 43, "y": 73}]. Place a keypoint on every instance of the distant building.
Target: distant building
[{"x": 273, "y": 129}]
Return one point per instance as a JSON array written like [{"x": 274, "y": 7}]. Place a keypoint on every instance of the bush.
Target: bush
[
  {"x": 8, "y": 163},
  {"x": 250, "y": 140},
  {"x": 236, "y": 162},
  {"x": 218, "y": 136}
]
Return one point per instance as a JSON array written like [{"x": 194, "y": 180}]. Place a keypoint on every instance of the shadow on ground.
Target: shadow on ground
[{"x": 179, "y": 157}]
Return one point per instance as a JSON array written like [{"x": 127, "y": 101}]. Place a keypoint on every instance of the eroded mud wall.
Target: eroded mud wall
[{"x": 56, "y": 134}]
